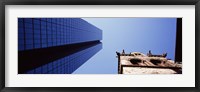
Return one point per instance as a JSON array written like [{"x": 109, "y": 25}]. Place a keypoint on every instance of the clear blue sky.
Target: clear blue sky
[{"x": 132, "y": 35}]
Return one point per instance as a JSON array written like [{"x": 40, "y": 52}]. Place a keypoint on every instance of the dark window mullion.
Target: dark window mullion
[
  {"x": 56, "y": 32},
  {"x": 33, "y": 32},
  {"x": 60, "y": 31},
  {"x": 46, "y": 33},
  {"x": 51, "y": 32},
  {"x": 24, "y": 34},
  {"x": 40, "y": 34}
]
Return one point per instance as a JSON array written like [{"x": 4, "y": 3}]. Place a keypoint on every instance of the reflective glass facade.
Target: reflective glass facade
[
  {"x": 68, "y": 64},
  {"x": 36, "y": 34}
]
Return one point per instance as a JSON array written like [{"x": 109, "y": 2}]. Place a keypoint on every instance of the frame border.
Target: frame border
[{"x": 3, "y": 3}]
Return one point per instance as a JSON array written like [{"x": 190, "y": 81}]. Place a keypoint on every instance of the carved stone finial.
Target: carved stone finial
[{"x": 123, "y": 51}]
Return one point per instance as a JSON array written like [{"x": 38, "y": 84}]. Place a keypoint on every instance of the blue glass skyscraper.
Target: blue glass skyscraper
[{"x": 55, "y": 45}]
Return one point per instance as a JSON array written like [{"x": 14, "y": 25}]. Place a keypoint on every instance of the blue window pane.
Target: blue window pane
[
  {"x": 37, "y": 45},
  {"x": 44, "y": 69},
  {"x": 21, "y": 47},
  {"x": 28, "y": 20},
  {"x": 38, "y": 70},
  {"x": 20, "y": 19}
]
